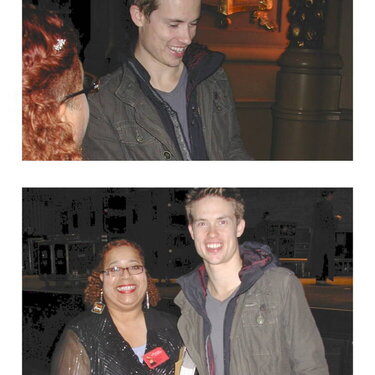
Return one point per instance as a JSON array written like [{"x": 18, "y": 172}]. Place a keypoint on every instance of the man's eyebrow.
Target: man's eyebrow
[
  {"x": 176, "y": 20},
  {"x": 218, "y": 218},
  {"x": 197, "y": 19}
]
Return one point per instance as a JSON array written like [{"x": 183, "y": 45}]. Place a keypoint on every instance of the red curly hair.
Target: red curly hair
[
  {"x": 47, "y": 77},
  {"x": 95, "y": 285}
]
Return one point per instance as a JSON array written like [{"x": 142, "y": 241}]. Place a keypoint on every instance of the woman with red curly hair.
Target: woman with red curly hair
[
  {"x": 121, "y": 334},
  {"x": 54, "y": 110}
]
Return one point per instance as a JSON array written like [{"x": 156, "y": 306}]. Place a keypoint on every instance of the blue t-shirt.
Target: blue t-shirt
[{"x": 139, "y": 352}]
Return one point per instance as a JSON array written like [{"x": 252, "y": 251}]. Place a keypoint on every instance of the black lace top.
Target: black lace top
[{"x": 91, "y": 344}]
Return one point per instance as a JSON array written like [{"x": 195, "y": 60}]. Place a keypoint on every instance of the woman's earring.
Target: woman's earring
[
  {"x": 98, "y": 307},
  {"x": 147, "y": 301}
]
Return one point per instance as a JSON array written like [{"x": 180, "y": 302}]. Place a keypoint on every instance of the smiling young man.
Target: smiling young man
[
  {"x": 240, "y": 312},
  {"x": 171, "y": 99}
]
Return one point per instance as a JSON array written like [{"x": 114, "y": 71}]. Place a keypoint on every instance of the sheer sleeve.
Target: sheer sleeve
[{"x": 70, "y": 357}]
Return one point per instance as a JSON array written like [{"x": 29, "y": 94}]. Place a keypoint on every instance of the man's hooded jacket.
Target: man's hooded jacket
[{"x": 268, "y": 325}]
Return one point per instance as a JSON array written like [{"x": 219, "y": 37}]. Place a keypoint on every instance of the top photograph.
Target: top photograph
[{"x": 187, "y": 80}]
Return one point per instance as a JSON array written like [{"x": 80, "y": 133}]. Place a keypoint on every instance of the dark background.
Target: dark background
[
  {"x": 155, "y": 218},
  {"x": 78, "y": 11},
  {"x": 292, "y": 103},
  {"x": 64, "y": 230}
]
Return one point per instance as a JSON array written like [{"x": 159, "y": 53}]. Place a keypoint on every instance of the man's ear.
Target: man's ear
[
  {"x": 136, "y": 15},
  {"x": 191, "y": 231},
  {"x": 240, "y": 227}
]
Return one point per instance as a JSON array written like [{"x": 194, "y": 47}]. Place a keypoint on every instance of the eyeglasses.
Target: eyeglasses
[
  {"x": 117, "y": 271},
  {"x": 90, "y": 86}
]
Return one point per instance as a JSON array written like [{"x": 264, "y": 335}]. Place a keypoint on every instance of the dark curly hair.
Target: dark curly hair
[
  {"x": 95, "y": 285},
  {"x": 48, "y": 75}
]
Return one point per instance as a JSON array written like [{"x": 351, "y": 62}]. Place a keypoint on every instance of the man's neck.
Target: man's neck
[
  {"x": 162, "y": 77},
  {"x": 223, "y": 279}
]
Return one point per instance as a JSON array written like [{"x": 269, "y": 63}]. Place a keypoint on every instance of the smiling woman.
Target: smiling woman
[{"x": 120, "y": 332}]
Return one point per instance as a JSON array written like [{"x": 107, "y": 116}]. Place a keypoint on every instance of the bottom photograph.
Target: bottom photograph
[{"x": 187, "y": 281}]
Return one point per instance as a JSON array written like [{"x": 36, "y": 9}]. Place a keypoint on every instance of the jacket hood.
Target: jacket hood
[
  {"x": 256, "y": 258},
  {"x": 256, "y": 254},
  {"x": 198, "y": 59},
  {"x": 201, "y": 62}
]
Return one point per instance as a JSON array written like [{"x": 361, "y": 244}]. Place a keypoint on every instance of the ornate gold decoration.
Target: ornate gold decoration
[
  {"x": 261, "y": 15},
  {"x": 258, "y": 10},
  {"x": 307, "y": 21}
]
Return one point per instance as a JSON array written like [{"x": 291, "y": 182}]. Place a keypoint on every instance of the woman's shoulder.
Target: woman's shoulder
[{"x": 85, "y": 320}]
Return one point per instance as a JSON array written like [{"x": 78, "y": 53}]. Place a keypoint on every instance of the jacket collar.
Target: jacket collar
[
  {"x": 128, "y": 89},
  {"x": 129, "y": 92},
  {"x": 201, "y": 62},
  {"x": 198, "y": 59},
  {"x": 256, "y": 258}
]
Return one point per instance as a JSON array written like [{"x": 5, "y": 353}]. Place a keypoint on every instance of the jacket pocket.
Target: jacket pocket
[
  {"x": 138, "y": 144},
  {"x": 260, "y": 328},
  {"x": 220, "y": 103},
  {"x": 132, "y": 134}
]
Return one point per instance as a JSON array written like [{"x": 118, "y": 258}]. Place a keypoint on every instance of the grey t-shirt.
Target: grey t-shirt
[
  {"x": 216, "y": 312},
  {"x": 177, "y": 101}
]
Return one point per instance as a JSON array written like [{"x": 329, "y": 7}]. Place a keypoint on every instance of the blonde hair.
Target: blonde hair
[
  {"x": 229, "y": 194},
  {"x": 146, "y": 6}
]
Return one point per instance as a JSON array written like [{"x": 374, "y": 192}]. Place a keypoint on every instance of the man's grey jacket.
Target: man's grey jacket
[
  {"x": 127, "y": 122},
  {"x": 268, "y": 327}
]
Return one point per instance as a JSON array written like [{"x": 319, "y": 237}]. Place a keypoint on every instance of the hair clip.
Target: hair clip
[{"x": 59, "y": 45}]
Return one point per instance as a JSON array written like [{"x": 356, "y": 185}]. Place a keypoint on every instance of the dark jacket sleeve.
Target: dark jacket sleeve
[
  {"x": 101, "y": 141},
  {"x": 306, "y": 348},
  {"x": 236, "y": 149},
  {"x": 218, "y": 110}
]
